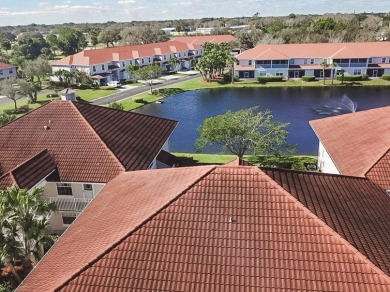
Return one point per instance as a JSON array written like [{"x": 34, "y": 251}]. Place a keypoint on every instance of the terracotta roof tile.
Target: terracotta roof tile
[
  {"x": 207, "y": 228},
  {"x": 6, "y": 181},
  {"x": 100, "y": 56},
  {"x": 6, "y": 66},
  {"x": 354, "y": 207},
  {"x": 355, "y": 141},
  {"x": 317, "y": 50},
  {"x": 32, "y": 171},
  {"x": 380, "y": 172},
  {"x": 84, "y": 149}
]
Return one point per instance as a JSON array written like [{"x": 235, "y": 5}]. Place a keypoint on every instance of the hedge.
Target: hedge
[
  {"x": 351, "y": 78},
  {"x": 265, "y": 79},
  {"x": 386, "y": 77},
  {"x": 308, "y": 78},
  {"x": 20, "y": 110}
]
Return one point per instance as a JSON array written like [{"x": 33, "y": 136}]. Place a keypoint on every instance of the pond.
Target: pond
[{"x": 294, "y": 105}]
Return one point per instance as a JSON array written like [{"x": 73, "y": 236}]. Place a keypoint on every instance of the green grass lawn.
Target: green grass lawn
[
  {"x": 296, "y": 162},
  {"x": 92, "y": 94},
  {"x": 41, "y": 99}
]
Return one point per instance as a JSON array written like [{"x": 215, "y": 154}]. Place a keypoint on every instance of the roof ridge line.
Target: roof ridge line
[
  {"x": 97, "y": 135},
  {"x": 327, "y": 228},
  {"x": 376, "y": 162},
  {"x": 65, "y": 283},
  {"x": 28, "y": 159}
]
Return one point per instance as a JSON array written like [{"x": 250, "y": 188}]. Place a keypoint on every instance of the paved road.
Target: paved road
[{"x": 134, "y": 91}]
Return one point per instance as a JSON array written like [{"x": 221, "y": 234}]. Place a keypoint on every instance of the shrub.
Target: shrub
[
  {"x": 21, "y": 110},
  {"x": 365, "y": 77},
  {"x": 85, "y": 86},
  {"x": 386, "y": 77},
  {"x": 227, "y": 77},
  {"x": 116, "y": 105},
  {"x": 350, "y": 77},
  {"x": 265, "y": 79},
  {"x": 52, "y": 95},
  {"x": 308, "y": 78},
  {"x": 107, "y": 88}
]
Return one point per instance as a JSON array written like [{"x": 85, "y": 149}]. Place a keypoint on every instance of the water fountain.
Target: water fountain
[{"x": 344, "y": 106}]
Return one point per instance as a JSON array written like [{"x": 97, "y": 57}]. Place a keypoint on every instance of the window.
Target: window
[
  {"x": 68, "y": 218},
  {"x": 238, "y": 62},
  {"x": 369, "y": 60},
  {"x": 305, "y": 61},
  {"x": 312, "y": 61},
  {"x": 87, "y": 187},
  {"x": 357, "y": 71},
  {"x": 383, "y": 60},
  {"x": 64, "y": 189},
  {"x": 123, "y": 64},
  {"x": 279, "y": 74},
  {"x": 94, "y": 69},
  {"x": 131, "y": 62},
  {"x": 292, "y": 62},
  {"x": 102, "y": 67},
  {"x": 142, "y": 61},
  {"x": 250, "y": 62},
  {"x": 149, "y": 60},
  {"x": 1, "y": 72},
  {"x": 10, "y": 71},
  {"x": 165, "y": 57}
]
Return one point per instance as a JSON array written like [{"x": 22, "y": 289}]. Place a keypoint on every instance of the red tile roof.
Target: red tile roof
[
  {"x": 200, "y": 40},
  {"x": 6, "y": 66},
  {"x": 355, "y": 141},
  {"x": 100, "y": 56},
  {"x": 380, "y": 172},
  {"x": 317, "y": 50},
  {"x": 88, "y": 143},
  {"x": 223, "y": 228},
  {"x": 354, "y": 207}
]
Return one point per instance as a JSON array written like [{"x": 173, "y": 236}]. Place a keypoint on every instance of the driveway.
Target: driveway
[{"x": 137, "y": 90}]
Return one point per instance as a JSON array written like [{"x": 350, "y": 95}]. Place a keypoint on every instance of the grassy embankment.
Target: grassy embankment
[
  {"x": 296, "y": 162},
  {"x": 198, "y": 83}
]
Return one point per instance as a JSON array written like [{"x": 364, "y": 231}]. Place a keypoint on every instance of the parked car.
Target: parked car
[{"x": 114, "y": 84}]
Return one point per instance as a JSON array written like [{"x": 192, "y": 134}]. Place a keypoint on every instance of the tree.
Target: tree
[
  {"x": 175, "y": 62},
  {"x": 30, "y": 46},
  {"x": 109, "y": 36},
  {"x": 52, "y": 40},
  {"x": 11, "y": 89},
  {"x": 6, "y": 118},
  {"x": 94, "y": 36},
  {"x": 244, "y": 131},
  {"x": 142, "y": 35},
  {"x": 324, "y": 65},
  {"x": 71, "y": 40},
  {"x": 147, "y": 73},
  {"x": 132, "y": 69},
  {"x": 24, "y": 227},
  {"x": 38, "y": 68}
]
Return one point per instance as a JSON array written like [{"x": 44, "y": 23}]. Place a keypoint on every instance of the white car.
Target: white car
[{"x": 114, "y": 84}]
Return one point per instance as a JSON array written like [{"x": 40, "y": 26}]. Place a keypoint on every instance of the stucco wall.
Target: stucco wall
[{"x": 325, "y": 163}]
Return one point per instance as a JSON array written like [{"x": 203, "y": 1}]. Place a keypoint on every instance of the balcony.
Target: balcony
[
  {"x": 263, "y": 65},
  {"x": 358, "y": 65},
  {"x": 69, "y": 204},
  {"x": 279, "y": 65}
]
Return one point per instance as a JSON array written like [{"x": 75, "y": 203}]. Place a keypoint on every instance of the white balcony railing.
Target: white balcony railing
[{"x": 69, "y": 204}]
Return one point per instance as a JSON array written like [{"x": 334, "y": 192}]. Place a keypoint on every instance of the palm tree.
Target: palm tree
[
  {"x": 334, "y": 65},
  {"x": 24, "y": 225},
  {"x": 324, "y": 65},
  {"x": 175, "y": 62}
]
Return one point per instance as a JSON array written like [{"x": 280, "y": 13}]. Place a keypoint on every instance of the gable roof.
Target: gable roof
[
  {"x": 317, "y": 50},
  {"x": 355, "y": 141},
  {"x": 204, "y": 228},
  {"x": 88, "y": 143},
  {"x": 354, "y": 207},
  {"x": 121, "y": 53},
  {"x": 200, "y": 40},
  {"x": 380, "y": 171},
  {"x": 6, "y": 66}
]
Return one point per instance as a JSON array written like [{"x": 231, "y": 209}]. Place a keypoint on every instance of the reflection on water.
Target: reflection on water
[{"x": 293, "y": 105}]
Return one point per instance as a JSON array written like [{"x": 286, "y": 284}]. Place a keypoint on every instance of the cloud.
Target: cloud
[{"x": 126, "y": 1}]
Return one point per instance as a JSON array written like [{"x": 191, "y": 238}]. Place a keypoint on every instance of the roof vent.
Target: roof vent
[
  {"x": 46, "y": 128},
  {"x": 231, "y": 220}
]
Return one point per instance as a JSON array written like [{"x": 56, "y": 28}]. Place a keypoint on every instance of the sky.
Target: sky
[{"x": 21, "y": 12}]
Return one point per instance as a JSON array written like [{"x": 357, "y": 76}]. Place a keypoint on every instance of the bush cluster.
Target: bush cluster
[
  {"x": 20, "y": 110},
  {"x": 52, "y": 95},
  {"x": 265, "y": 79},
  {"x": 227, "y": 77},
  {"x": 107, "y": 88},
  {"x": 352, "y": 77},
  {"x": 386, "y": 77},
  {"x": 308, "y": 78}
]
